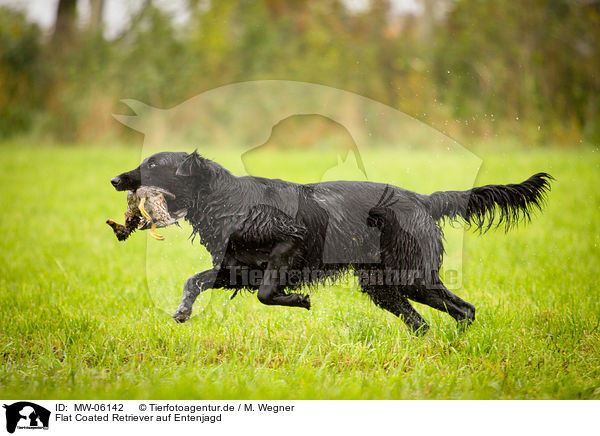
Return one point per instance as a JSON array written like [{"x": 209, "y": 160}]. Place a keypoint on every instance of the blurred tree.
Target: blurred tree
[
  {"x": 22, "y": 78},
  {"x": 539, "y": 64},
  {"x": 65, "y": 24},
  {"x": 96, "y": 11},
  {"x": 485, "y": 66}
]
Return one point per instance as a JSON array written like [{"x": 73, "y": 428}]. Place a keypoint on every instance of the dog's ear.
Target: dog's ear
[{"x": 191, "y": 166}]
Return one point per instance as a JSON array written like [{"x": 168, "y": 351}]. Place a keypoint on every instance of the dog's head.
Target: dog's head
[{"x": 168, "y": 170}]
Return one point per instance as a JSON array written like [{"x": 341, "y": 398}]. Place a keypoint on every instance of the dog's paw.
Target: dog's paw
[
  {"x": 305, "y": 301},
  {"x": 469, "y": 318},
  {"x": 181, "y": 317},
  {"x": 464, "y": 324},
  {"x": 421, "y": 330}
]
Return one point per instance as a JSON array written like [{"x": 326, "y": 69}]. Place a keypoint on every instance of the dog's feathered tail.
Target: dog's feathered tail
[{"x": 492, "y": 204}]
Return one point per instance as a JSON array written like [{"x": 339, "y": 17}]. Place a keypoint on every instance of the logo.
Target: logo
[{"x": 26, "y": 415}]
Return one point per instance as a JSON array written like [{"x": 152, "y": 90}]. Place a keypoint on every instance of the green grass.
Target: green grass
[{"x": 80, "y": 318}]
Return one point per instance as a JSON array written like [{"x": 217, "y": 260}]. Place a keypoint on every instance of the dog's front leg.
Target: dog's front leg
[{"x": 192, "y": 288}]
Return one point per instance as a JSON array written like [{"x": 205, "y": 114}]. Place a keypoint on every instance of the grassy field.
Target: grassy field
[{"x": 80, "y": 318}]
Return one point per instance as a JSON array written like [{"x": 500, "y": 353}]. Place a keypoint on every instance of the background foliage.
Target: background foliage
[{"x": 471, "y": 68}]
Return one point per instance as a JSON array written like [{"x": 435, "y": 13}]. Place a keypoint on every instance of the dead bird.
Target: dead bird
[{"x": 146, "y": 209}]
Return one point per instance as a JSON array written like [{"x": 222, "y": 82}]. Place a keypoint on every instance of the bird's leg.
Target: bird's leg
[
  {"x": 149, "y": 218},
  {"x": 143, "y": 211},
  {"x": 154, "y": 234}
]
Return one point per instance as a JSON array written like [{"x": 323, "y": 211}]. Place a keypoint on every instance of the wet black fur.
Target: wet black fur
[{"x": 390, "y": 237}]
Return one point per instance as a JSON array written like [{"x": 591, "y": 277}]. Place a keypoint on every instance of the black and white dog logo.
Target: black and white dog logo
[{"x": 26, "y": 415}]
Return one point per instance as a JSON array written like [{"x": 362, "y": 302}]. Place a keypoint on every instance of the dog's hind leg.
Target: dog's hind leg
[
  {"x": 271, "y": 289},
  {"x": 440, "y": 298},
  {"x": 389, "y": 298},
  {"x": 193, "y": 287},
  {"x": 410, "y": 316}
]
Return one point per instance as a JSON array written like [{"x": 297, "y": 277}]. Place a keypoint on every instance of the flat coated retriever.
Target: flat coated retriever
[{"x": 272, "y": 235}]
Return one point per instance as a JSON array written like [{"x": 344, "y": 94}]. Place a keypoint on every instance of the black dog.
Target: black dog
[{"x": 272, "y": 235}]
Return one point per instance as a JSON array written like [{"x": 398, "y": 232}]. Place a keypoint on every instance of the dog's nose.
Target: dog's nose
[{"x": 115, "y": 181}]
